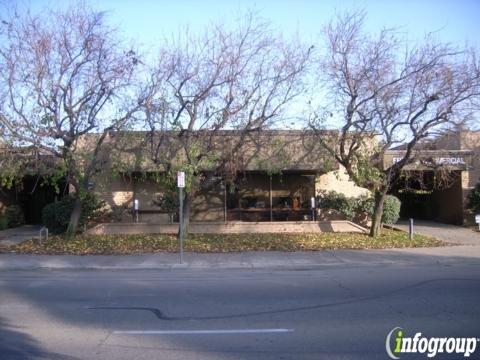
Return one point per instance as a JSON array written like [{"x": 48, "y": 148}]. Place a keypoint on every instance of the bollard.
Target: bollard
[
  {"x": 410, "y": 229},
  {"x": 42, "y": 230}
]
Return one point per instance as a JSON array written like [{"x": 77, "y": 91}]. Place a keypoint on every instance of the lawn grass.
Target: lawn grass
[{"x": 219, "y": 243}]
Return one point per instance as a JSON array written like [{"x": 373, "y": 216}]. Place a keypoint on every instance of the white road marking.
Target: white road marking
[{"x": 201, "y": 332}]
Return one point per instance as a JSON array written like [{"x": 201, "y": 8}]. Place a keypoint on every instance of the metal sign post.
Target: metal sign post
[
  {"x": 136, "y": 207},
  {"x": 312, "y": 205},
  {"x": 410, "y": 229},
  {"x": 181, "y": 185}
]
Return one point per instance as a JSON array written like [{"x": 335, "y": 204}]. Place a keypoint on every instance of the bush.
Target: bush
[
  {"x": 14, "y": 216},
  {"x": 391, "y": 210},
  {"x": 339, "y": 202},
  {"x": 56, "y": 216},
  {"x": 351, "y": 208},
  {"x": 3, "y": 223},
  {"x": 473, "y": 199},
  {"x": 365, "y": 205}
]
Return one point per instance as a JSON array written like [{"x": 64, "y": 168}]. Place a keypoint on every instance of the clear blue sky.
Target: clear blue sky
[{"x": 146, "y": 21}]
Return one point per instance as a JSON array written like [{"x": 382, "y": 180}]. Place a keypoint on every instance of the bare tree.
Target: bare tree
[
  {"x": 238, "y": 80},
  {"x": 386, "y": 92},
  {"x": 65, "y": 75}
]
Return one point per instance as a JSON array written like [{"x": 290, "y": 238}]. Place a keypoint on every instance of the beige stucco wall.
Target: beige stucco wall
[
  {"x": 471, "y": 141},
  {"x": 464, "y": 140},
  {"x": 230, "y": 228},
  {"x": 120, "y": 192},
  {"x": 209, "y": 205},
  {"x": 340, "y": 182}
]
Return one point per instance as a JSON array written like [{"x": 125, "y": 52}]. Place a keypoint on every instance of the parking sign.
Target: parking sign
[{"x": 181, "y": 179}]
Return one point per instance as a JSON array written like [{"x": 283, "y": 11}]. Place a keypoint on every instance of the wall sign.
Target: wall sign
[{"x": 440, "y": 160}]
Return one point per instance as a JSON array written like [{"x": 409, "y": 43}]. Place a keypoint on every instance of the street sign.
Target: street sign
[
  {"x": 181, "y": 185},
  {"x": 136, "y": 207},
  {"x": 312, "y": 205},
  {"x": 181, "y": 179}
]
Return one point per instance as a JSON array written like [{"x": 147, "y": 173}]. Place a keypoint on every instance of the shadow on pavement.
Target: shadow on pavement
[
  {"x": 338, "y": 302},
  {"x": 16, "y": 345}
]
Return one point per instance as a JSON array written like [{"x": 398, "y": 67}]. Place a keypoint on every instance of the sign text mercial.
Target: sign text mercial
[{"x": 440, "y": 160}]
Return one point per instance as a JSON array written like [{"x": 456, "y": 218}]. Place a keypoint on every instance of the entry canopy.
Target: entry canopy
[{"x": 432, "y": 159}]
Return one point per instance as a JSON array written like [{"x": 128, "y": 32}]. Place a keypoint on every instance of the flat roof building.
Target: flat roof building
[{"x": 273, "y": 178}]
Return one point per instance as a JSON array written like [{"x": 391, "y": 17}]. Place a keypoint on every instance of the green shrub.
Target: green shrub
[
  {"x": 339, "y": 202},
  {"x": 391, "y": 210},
  {"x": 473, "y": 199},
  {"x": 56, "y": 216},
  {"x": 3, "y": 223},
  {"x": 350, "y": 207},
  {"x": 365, "y": 205},
  {"x": 167, "y": 202},
  {"x": 14, "y": 216}
]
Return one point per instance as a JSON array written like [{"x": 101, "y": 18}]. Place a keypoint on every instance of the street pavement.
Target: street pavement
[
  {"x": 334, "y": 312},
  {"x": 252, "y": 305}
]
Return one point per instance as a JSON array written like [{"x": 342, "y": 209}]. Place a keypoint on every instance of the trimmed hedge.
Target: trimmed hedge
[
  {"x": 56, "y": 216},
  {"x": 391, "y": 210},
  {"x": 336, "y": 201},
  {"x": 351, "y": 208}
]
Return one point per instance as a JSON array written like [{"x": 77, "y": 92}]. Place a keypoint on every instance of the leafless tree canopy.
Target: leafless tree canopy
[
  {"x": 63, "y": 75},
  {"x": 237, "y": 79},
  {"x": 386, "y": 91}
]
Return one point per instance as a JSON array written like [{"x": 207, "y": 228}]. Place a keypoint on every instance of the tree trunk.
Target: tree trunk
[
  {"x": 376, "y": 227},
  {"x": 183, "y": 229},
  {"x": 74, "y": 218}
]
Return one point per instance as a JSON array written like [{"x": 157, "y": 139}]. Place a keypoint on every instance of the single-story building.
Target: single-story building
[
  {"x": 273, "y": 178},
  {"x": 279, "y": 172}
]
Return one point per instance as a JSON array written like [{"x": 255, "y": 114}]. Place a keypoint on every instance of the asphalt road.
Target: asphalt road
[{"x": 338, "y": 312}]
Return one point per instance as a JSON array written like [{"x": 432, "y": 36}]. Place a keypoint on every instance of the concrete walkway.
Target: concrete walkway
[
  {"x": 248, "y": 260},
  {"x": 17, "y": 235},
  {"x": 449, "y": 233},
  {"x": 468, "y": 251}
]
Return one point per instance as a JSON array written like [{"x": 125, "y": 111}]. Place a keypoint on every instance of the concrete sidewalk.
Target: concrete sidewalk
[
  {"x": 247, "y": 260},
  {"x": 446, "y": 232},
  {"x": 17, "y": 235}
]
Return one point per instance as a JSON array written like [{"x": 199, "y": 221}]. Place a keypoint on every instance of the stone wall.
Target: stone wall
[
  {"x": 230, "y": 228},
  {"x": 340, "y": 182}
]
